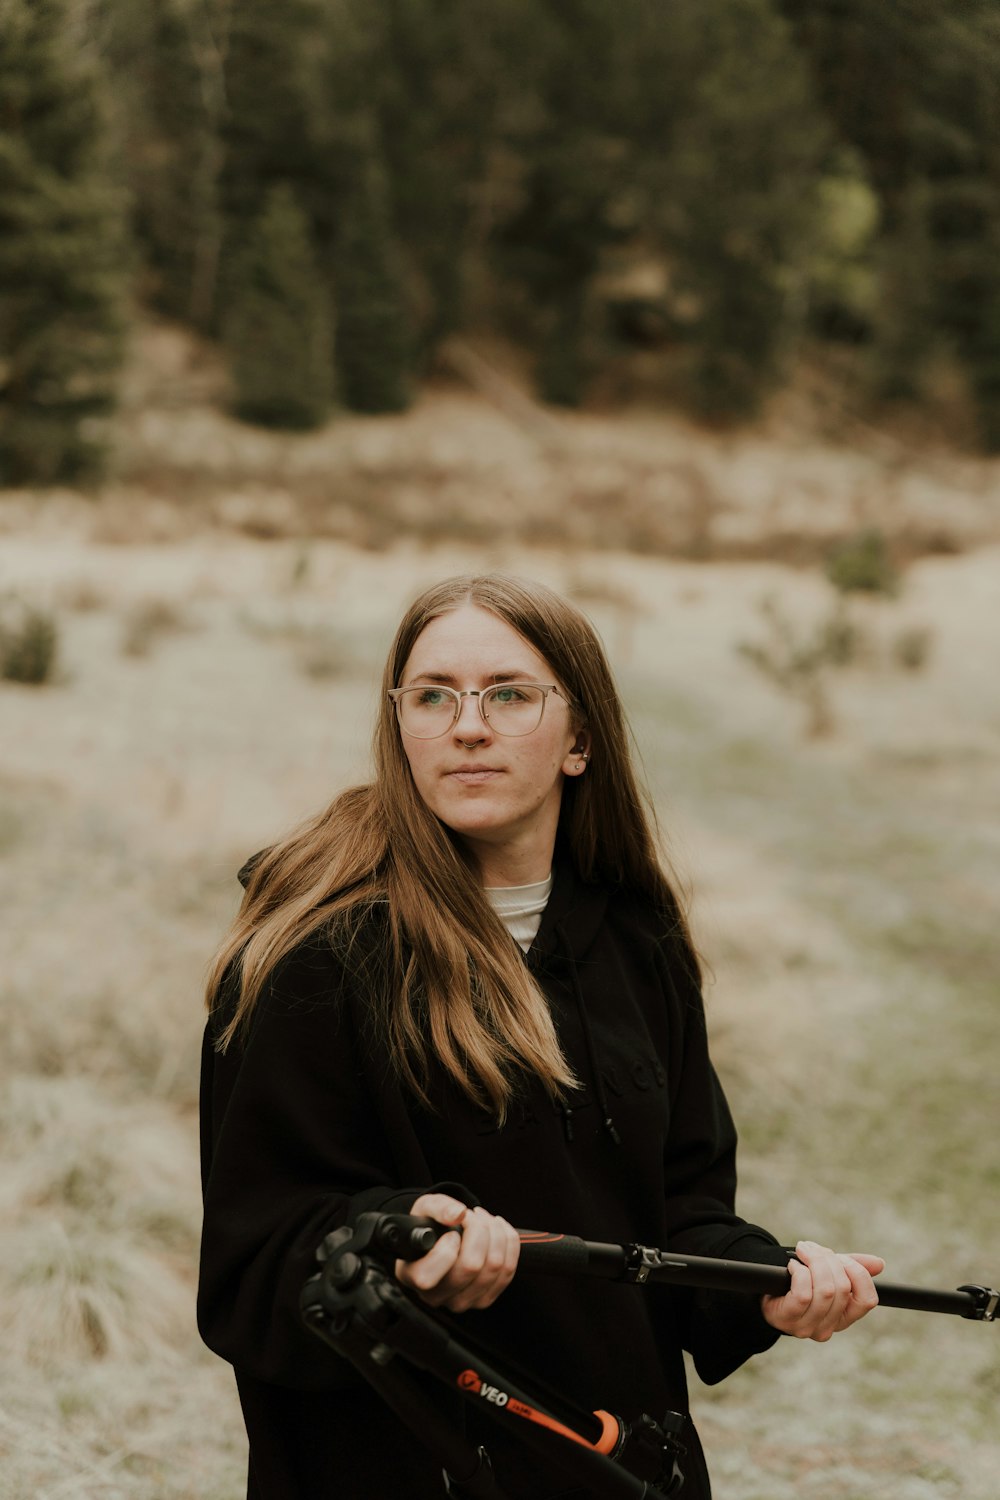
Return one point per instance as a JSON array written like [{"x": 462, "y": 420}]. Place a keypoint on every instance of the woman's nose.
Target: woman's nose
[{"x": 470, "y": 724}]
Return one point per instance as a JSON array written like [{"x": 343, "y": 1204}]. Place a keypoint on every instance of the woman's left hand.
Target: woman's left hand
[{"x": 829, "y": 1292}]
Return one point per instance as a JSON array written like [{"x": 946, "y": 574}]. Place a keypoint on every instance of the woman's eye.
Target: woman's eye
[
  {"x": 430, "y": 697},
  {"x": 504, "y": 695}
]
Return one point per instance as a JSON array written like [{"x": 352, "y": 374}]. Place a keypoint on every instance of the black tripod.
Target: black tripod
[{"x": 356, "y": 1305}]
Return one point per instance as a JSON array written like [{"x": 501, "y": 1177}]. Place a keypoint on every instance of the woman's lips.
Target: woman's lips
[{"x": 473, "y": 775}]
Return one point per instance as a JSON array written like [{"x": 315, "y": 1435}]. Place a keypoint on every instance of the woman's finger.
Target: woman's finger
[
  {"x": 473, "y": 1252},
  {"x": 497, "y": 1270},
  {"x": 786, "y": 1313},
  {"x": 873, "y": 1264},
  {"x": 864, "y": 1293},
  {"x": 425, "y": 1274},
  {"x": 430, "y": 1270},
  {"x": 831, "y": 1291},
  {"x": 441, "y": 1207}
]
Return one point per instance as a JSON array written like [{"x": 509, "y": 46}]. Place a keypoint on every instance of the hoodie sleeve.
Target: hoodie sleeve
[
  {"x": 292, "y": 1147},
  {"x": 721, "y": 1329}
]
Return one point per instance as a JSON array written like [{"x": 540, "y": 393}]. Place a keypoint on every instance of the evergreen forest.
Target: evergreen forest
[{"x": 702, "y": 192}]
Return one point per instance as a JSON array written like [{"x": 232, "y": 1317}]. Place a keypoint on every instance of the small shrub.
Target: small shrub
[
  {"x": 799, "y": 662},
  {"x": 862, "y": 564},
  {"x": 84, "y": 596},
  {"x": 799, "y": 659},
  {"x": 146, "y": 622},
  {"x": 320, "y": 650},
  {"x": 912, "y": 647},
  {"x": 29, "y": 643},
  {"x": 300, "y": 567},
  {"x": 839, "y": 639},
  {"x": 322, "y": 655},
  {"x": 12, "y": 827},
  {"x": 598, "y": 589}
]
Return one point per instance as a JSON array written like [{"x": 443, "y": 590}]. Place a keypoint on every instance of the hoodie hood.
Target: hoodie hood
[
  {"x": 246, "y": 870},
  {"x": 559, "y": 956}
]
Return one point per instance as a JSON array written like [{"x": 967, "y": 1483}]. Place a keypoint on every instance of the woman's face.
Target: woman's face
[{"x": 499, "y": 793}]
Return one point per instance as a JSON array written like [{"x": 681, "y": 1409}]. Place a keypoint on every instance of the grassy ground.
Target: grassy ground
[
  {"x": 214, "y": 690},
  {"x": 855, "y": 949}
]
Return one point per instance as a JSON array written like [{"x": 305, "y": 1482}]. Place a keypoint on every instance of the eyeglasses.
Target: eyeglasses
[{"x": 510, "y": 708}]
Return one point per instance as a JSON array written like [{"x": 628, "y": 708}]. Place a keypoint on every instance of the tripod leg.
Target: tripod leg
[
  {"x": 467, "y": 1472},
  {"x": 478, "y": 1484}
]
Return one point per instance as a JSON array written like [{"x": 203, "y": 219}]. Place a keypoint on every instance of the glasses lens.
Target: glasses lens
[
  {"x": 513, "y": 707},
  {"x": 426, "y": 712}
]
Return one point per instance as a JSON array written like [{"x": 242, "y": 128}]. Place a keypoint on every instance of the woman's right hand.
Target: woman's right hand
[{"x": 466, "y": 1270}]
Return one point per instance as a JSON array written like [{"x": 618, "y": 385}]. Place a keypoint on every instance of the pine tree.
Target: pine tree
[
  {"x": 63, "y": 259},
  {"x": 731, "y": 194},
  {"x": 276, "y": 125},
  {"x": 681, "y": 137},
  {"x": 277, "y": 328},
  {"x": 433, "y": 77},
  {"x": 374, "y": 343},
  {"x": 913, "y": 87},
  {"x": 172, "y": 52},
  {"x": 569, "y": 136},
  {"x": 963, "y": 208}
]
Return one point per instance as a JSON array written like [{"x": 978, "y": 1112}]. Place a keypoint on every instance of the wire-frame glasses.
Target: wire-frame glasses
[{"x": 512, "y": 708}]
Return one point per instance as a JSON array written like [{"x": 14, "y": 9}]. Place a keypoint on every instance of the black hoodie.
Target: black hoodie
[{"x": 304, "y": 1126}]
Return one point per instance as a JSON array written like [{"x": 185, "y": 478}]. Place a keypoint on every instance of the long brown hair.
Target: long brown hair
[{"x": 450, "y": 984}]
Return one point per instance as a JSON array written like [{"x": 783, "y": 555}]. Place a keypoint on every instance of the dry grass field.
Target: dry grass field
[{"x": 217, "y": 654}]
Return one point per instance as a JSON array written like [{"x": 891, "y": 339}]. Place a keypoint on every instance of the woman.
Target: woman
[{"x": 468, "y": 990}]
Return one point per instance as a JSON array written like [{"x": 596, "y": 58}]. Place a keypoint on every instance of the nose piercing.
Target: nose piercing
[{"x": 469, "y": 744}]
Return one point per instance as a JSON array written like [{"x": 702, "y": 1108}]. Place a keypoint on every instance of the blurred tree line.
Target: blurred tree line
[{"x": 331, "y": 188}]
